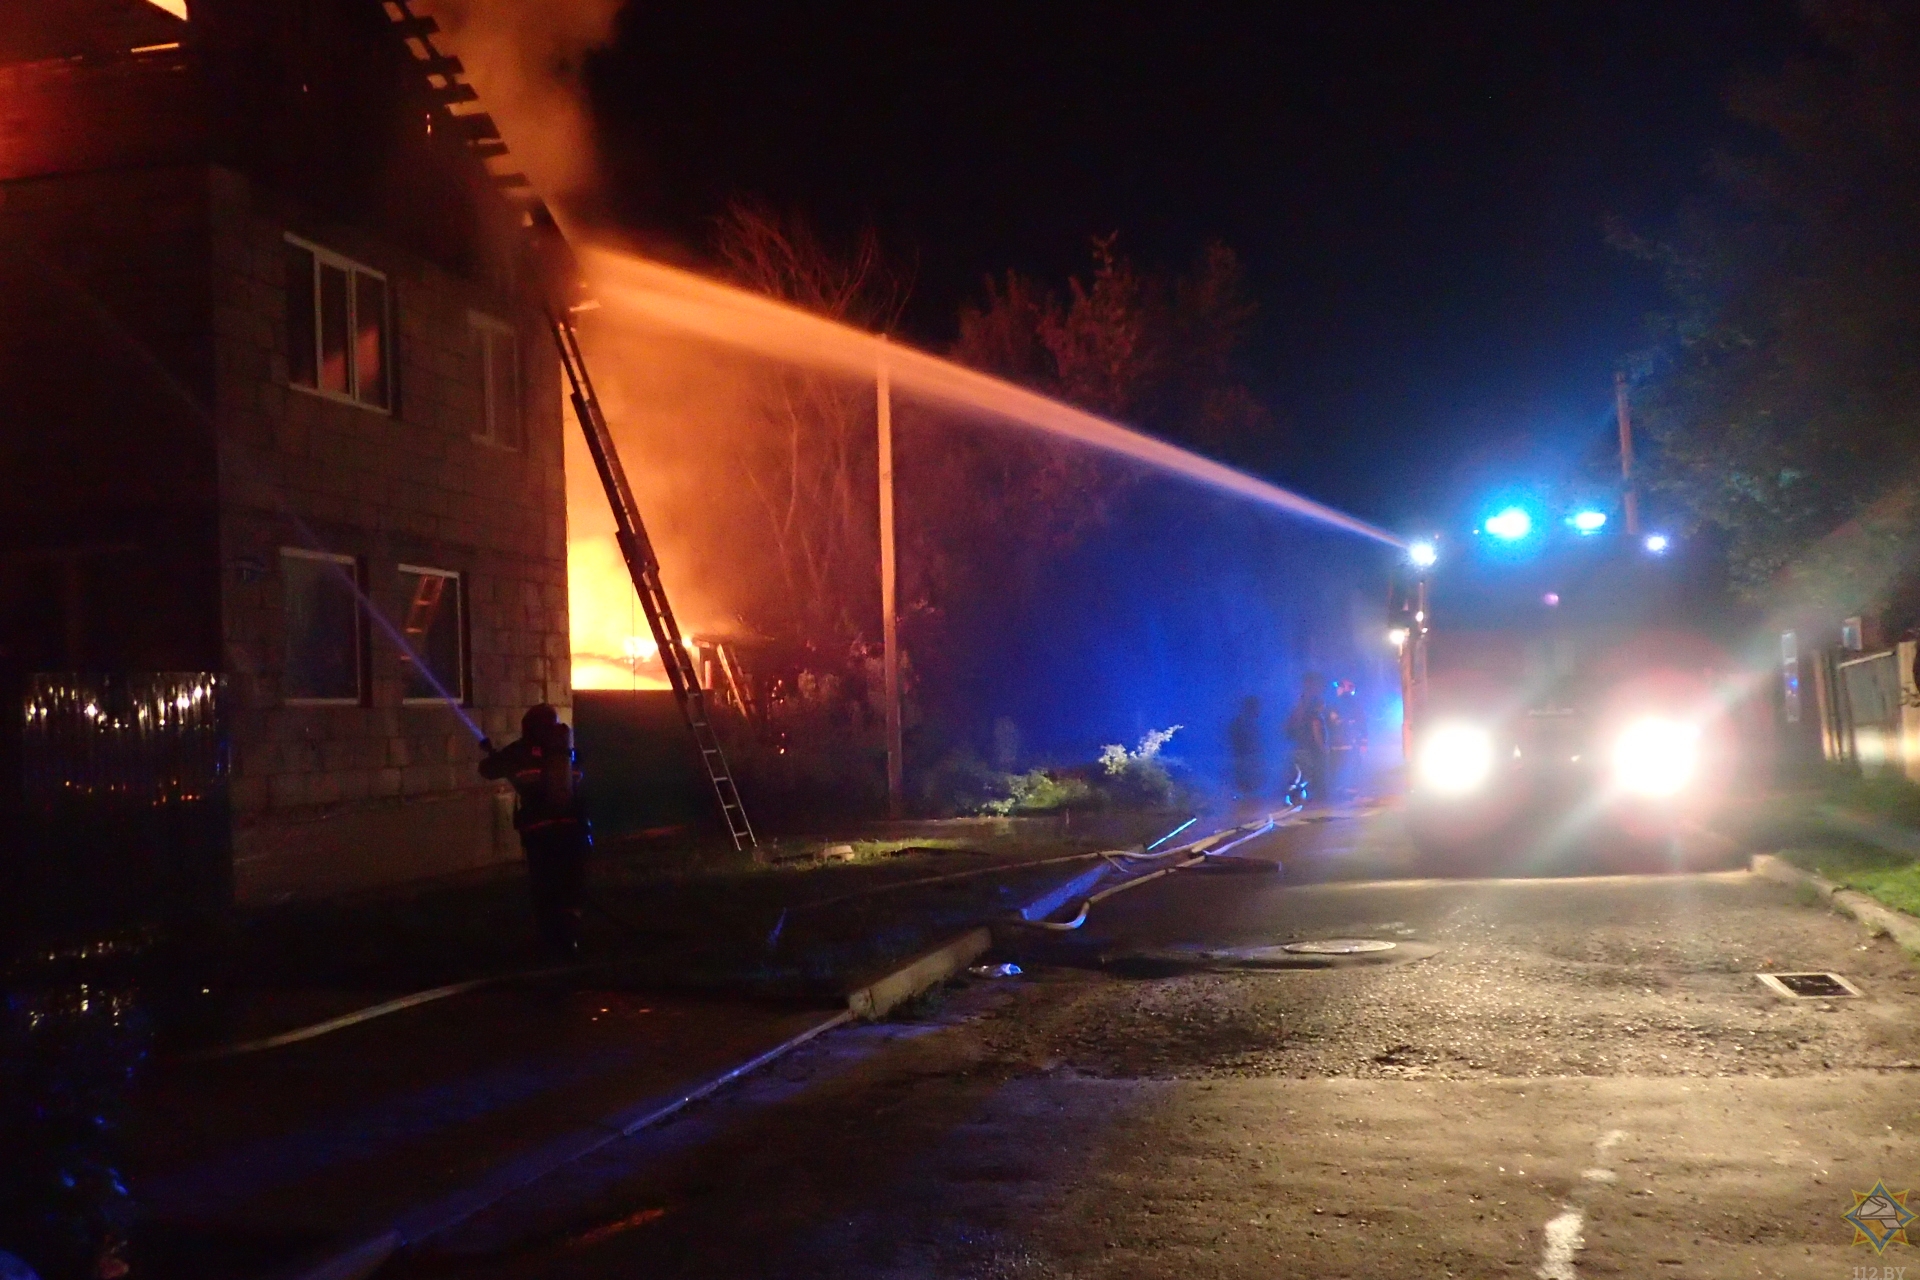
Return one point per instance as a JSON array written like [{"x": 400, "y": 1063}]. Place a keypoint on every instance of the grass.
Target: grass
[
  {"x": 1890, "y": 878},
  {"x": 692, "y": 916},
  {"x": 1829, "y": 827},
  {"x": 867, "y": 849},
  {"x": 1888, "y": 797},
  {"x": 1793, "y": 816}
]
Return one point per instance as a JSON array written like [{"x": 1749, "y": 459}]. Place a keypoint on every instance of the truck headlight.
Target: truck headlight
[
  {"x": 1454, "y": 759},
  {"x": 1656, "y": 756}
]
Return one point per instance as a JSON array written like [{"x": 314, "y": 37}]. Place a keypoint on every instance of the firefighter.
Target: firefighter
[
  {"x": 1346, "y": 741},
  {"x": 1307, "y": 732},
  {"x": 1249, "y": 751},
  {"x": 549, "y": 812}
]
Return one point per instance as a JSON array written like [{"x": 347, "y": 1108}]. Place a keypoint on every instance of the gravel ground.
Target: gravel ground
[{"x": 1581, "y": 1078}]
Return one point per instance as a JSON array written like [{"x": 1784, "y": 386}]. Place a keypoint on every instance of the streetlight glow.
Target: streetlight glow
[
  {"x": 1589, "y": 521},
  {"x": 1423, "y": 554},
  {"x": 1657, "y": 543}
]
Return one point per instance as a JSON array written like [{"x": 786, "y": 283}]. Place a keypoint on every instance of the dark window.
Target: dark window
[
  {"x": 323, "y": 628},
  {"x": 339, "y": 323},
  {"x": 434, "y": 663},
  {"x": 496, "y": 349}
]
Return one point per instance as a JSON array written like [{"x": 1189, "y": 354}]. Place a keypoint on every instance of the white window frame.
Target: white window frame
[
  {"x": 480, "y": 324},
  {"x": 460, "y": 631},
  {"x": 327, "y": 257},
  {"x": 352, "y": 567}
]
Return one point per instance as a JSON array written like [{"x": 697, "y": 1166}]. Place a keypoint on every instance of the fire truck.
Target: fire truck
[{"x": 1569, "y": 694}]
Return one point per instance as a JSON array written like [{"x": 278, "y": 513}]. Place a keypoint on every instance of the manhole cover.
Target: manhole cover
[
  {"x": 1810, "y": 986},
  {"x": 1339, "y": 947},
  {"x": 1335, "y": 953}
]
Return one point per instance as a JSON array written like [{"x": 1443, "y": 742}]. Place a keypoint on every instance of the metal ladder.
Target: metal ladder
[
  {"x": 447, "y": 87},
  {"x": 644, "y": 568}
]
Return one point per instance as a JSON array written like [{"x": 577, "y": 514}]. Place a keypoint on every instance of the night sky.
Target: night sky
[{"x": 1419, "y": 191}]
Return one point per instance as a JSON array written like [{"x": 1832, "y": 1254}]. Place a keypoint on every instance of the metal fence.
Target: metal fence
[
  {"x": 123, "y": 799},
  {"x": 1869, "y": 710}
]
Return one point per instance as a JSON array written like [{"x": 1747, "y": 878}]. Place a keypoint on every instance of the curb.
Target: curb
[
  {"x": 367, "y": 1255},
  {"x": 1876, "y": 916},
  {"x": 1054, "y": 899},
  {"x": 930, "y": 969}
]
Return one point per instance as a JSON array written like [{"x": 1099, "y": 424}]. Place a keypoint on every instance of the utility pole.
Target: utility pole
[
  {"x": 889, "y": 625},
  {"x": 1626, "y": 451}
]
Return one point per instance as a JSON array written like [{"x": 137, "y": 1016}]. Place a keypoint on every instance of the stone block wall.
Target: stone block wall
[{"x": 328, "y": 797}]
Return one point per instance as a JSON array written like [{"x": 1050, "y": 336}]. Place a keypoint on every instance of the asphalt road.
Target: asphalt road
[{"x": 1552, "y": 1077}]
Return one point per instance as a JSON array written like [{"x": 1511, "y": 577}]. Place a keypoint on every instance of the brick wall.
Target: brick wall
[
  {"x": 107, "y": 531},
  {"x": 335, "y": 796}
]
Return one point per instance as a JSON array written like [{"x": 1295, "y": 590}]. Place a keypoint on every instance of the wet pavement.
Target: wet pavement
[
  {"x": 246, "y": 1164},
  {"x": 1559, "y": 1077}
]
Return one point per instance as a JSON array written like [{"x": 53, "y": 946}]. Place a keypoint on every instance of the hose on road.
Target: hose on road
[{"x": 1199, "y": 851}]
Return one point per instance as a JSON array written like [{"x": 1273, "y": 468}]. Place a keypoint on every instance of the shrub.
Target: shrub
[
  {"x": 1038, "y": 791},
  {"x": 1139, "y": 777}
]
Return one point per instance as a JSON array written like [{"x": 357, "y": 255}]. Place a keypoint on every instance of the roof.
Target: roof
[{"x": 39, "y": 30}]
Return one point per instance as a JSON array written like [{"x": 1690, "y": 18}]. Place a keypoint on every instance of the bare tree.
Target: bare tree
[{"x": 809, "y": 459}]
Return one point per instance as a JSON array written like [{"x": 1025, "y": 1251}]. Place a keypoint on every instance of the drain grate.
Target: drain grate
[
  {"x": 1339, "y": 947},
  {"x": 1810, "y": 986}
]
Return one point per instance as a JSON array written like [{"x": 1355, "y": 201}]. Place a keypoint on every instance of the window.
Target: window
[
  {"x": 434, "y": 663},
  {"x": 496, "y": 350},
  {"x": 323, "y": 627},
  {"x": 337, "y": 327}
]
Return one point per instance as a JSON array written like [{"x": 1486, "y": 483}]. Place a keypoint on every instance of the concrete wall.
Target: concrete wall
[{"x": 327, "y": 797}]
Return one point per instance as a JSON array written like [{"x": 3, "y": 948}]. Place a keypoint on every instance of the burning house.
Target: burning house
[{"x": 281, "y": 433}]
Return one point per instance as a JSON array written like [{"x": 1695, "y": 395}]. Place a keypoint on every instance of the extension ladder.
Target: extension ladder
[
  {"x": 644, "y": 568},
  {"x": 448, "y": 89}
]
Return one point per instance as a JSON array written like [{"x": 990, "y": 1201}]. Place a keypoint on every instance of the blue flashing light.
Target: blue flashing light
[
  {"x": 1510, "y": 525},
  {"x": 1588, "y": 521},
  {"x": 1422, "y": 554},
  {"x": 1658, "y": 543}
]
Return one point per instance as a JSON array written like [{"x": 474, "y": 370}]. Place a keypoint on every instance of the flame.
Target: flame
[{"x": 610, "y": 647}]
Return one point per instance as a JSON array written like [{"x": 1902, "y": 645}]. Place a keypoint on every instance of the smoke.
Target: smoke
[
  {"x": 524, "y": 57},
  {"x": 746, "y": 429}
]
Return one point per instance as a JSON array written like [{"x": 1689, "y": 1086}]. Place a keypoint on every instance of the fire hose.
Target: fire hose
[
  {"x": 1113, "y": 858},
  {"x": 1199, "y": 851}
]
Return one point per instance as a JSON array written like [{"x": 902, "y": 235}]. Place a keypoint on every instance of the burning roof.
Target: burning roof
[{"x": 41, "y": 30}]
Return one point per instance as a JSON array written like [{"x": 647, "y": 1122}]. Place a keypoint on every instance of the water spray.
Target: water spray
[{"x": 681, "y": 301}]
